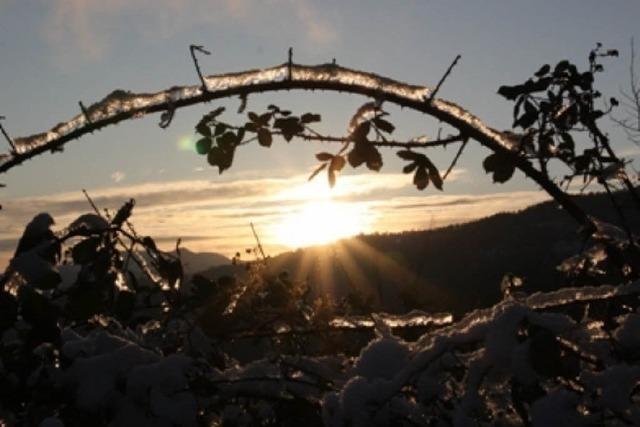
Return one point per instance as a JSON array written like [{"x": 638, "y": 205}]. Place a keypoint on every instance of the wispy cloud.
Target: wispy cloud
[
  {"x": 318, "y": 30},
  {"x": 92, "y": 27}
]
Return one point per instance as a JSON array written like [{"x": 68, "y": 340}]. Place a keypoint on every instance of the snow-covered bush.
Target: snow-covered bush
[{"x": 85, "y": 342}]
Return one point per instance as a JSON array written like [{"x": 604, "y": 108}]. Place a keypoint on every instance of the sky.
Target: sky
[{"x": 54, "y": 53}]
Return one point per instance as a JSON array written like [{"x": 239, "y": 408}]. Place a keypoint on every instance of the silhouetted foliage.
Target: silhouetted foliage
[{"x": 368, "y": 129}]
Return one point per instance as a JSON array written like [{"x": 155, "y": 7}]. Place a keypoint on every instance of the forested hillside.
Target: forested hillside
[{"x": 452, "y": 269}]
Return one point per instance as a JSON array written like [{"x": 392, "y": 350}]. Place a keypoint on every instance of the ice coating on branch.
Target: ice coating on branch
[
  {"x": 608, "y": 232},
  {"x": 414, "y": 318},
  {"x": 542, "y": 300},
  {"x": 460, "y": 115},
  {"x": 247, "y": 78},
  {"x": 122, "y": 105}
]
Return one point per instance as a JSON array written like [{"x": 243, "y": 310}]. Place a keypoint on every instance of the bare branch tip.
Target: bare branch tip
[
  {"x": 290, "y": 63},
  {"x": 85, "y": 112},
  {"x": 193, "y": 48},
  {"x": 6, "y": 135},
  {"x": 444, "y": 77}
]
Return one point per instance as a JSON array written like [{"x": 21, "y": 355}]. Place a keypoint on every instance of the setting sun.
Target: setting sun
[{"x": 317, "y": 223}]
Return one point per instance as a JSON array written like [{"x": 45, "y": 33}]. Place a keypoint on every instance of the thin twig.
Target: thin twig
[
  {"x": 390, "y": 144},
  {"x": 193, "y": 48},
  {"x": 85, "y": 112},
  {"x": 6, "y": 135},
  {"x": 243, "y": 103},
  {"x": 90, "y": 200},
  {"x": 134, "y": 239},
  {"x": 631, "y": 123},
  {"x": 601, "y": 140},
  {"x": 444, "y": 77},
  {"x": 290, "y": 62},
  {"x": 317, "y": 136},
  {"x": 167, "y": 117},
  {"x": 258, "y": 241},
  {"x": 618, "y": 209},
  {"x": 455, "y": 159}
]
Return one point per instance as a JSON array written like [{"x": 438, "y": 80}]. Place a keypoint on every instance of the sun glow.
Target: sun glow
[{"x": 321, "y": 222}]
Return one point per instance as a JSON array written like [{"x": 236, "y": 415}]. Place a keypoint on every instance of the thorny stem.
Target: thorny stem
[
  {"x": 193, "y": 48},
  {"x": 635, "y": 87},
  {"x": 85, "y": 113},
  {"x": 133, "y": 239},
  {"x": 455, "y": 159},
  {"x": 618, "y": 209},
  {"x": 90, "y": 200},
  {"x": 631, "y": 123},
  {"x": 602, "y": 140},
  {"x": 255, "y": 235},
  {"x": 389, "y": 144},
  {"x": 6, "y": 135},
  {"x": 444, "y": 77},
  {"x": 316, "y": 136}
]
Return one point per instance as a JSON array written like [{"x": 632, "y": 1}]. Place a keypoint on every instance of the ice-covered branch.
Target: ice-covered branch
[{"x": 122, "y": 105}]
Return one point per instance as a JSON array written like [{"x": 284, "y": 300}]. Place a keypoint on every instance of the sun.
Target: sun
[{"x": 321, "y": 222}]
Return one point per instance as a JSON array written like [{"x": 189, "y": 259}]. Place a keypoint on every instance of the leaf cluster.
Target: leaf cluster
[
  {"x": 369, "y": 129},
  {"x": 551, "y": 107},
  {"x": 424, "y": 170}
]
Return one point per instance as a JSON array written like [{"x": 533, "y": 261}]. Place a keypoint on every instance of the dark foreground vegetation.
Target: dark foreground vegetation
[{"x": 96, "y": 346}]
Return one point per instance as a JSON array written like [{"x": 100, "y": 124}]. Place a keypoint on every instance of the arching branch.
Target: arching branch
[{"x": 121, "y": 105}]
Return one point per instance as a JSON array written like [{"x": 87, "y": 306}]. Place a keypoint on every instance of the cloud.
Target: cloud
[
  {"x": 79, "y": 24},
  {"x": 92, "y": 27},
  {"x": 215, "y": 215},
  {"x": 318, "y": 30},
  {"x": 118, "y": 176}
]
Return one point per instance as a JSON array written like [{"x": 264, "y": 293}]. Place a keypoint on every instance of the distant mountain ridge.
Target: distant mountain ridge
[
  {"x": 454, "y": 268},
  {"x": 193, "y": 262}
]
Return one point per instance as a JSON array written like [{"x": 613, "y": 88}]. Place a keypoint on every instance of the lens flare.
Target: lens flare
[{"x": 186, "y": 143}]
